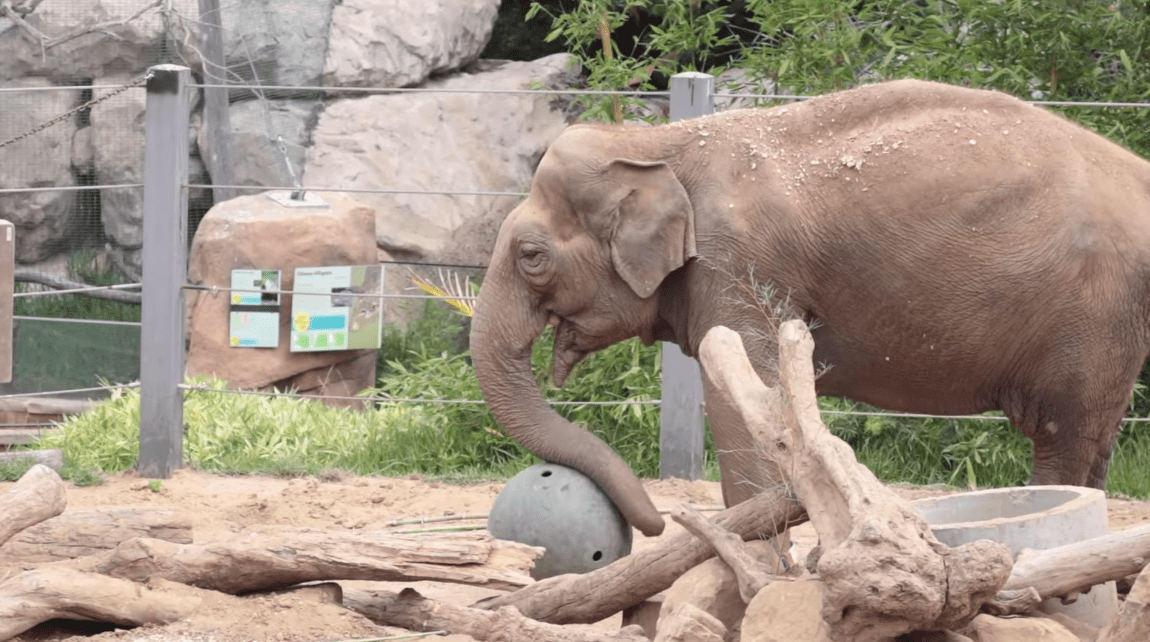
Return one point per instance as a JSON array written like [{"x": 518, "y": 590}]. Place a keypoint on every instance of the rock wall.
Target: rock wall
[{"x": 408, "y": 142}]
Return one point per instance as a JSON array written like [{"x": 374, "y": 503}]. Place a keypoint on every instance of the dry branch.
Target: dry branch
[
  {"x": 87, "y": 531},
  {"x": 38, "y": 495},
  {"x": 885, "y": 572},
  {"x": 603, "y": 592},
  {"x": 1132, "y": 624},
  {"x": 1076, "y": 567},
  {"x": 268, "y": 560},
  {"x": 410, "y": 610},
  {"x": 730, "y": 548},
  {"x": 44, "y": 594}
]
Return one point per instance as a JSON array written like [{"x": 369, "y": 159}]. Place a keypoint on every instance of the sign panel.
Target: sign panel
[
  {"x": 255, "y": 309},
  {"x": 337, "y": 308}
]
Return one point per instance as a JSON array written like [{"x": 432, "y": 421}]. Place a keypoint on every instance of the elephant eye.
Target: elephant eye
[{"x": 532, "y": 256}]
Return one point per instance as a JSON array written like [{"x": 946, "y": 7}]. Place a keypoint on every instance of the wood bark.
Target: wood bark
[
  {"x": 86, "y": 531},
  {"x": 37, "y": 496},
  {"x": 749, "y": 572},
  {"x": 1076, "y": 567},
  {"x": 885, "y": 572},
  {"x": 52, "y": 458},
  {"x": 1132, "y": 624},
  {"x": 268, "y": 560},
  {"x": 44, "y": 594},
  {"x": 590, "y": 597},
  {"x": 410, "y": 610}
]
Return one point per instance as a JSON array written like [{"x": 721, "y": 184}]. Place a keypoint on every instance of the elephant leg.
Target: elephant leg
[{"x": 1075, "y": 448}]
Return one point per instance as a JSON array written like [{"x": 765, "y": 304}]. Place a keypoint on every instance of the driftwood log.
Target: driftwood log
[
  {"x": 751, "y": 575},
  {"x": 37, "y": 496},
  {"x": 885, "y": 572},
  {"x": 268, "y": 560},
  {"x": 1074, "y": 568},
  {"x": 410, "y": 610},
  {"x": 89, "y": 530},
  {"x": 1132, "y": 624},
  {"x": 44, "y": 594},
  {"x": 590, "y": 597}
]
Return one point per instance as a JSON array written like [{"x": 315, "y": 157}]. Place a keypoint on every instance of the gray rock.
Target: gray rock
[
  {"x": 256, "y": 126},
  {"x": 278, "y": 42},
  {"x": 398, "y": 43},
  {"x": 40, "y": 160},
  {"x": 116, "y": 49},
  {"x": 440, "y": 142},
  {"x": 117, "y": 142}
]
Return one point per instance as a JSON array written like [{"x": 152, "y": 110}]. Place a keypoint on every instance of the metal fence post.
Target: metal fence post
[
  {"x": 165, "y": 266},
  {"x": 681, "y": 420},
  {"x": 7, "y": 289}
]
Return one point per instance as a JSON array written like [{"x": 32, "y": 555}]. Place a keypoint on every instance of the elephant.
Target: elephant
[{"x": 954, "y": 251}]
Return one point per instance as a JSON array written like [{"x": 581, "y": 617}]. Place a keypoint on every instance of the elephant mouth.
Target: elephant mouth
[{"x": 569, "y": 351}]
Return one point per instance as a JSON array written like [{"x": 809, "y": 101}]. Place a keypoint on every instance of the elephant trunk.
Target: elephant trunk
[{"x": 501, "y": 351}]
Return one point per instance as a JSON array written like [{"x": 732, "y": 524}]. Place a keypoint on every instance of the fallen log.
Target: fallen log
[
  {"x": 78, "y": 532},
  {"x": 45, "y": 594},
  {"x": 261, "y": 561},
  {"x": 885, "y": 572},
  {"x": 410, "y": 610},
  {"x": 590, "y": 597},
  {"x": 37, "y": 496},
  {"x": 1074, "y": 568},
  {"x": 52, "y": 458}
]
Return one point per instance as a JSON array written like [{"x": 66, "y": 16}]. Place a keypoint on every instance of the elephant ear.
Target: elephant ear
[{"x": 654, "y": 229}]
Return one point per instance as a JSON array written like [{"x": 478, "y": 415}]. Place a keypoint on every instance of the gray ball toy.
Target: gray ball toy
[{"x": 566, "y": 513}]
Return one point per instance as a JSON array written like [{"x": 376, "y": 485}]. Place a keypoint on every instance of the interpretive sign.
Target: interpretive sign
[
  {"x": 337, "y": 308},
  {"x": 255, "y": 309}
]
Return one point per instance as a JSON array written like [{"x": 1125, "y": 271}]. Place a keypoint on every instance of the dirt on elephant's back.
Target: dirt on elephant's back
[{"x": 222, "y": 508}]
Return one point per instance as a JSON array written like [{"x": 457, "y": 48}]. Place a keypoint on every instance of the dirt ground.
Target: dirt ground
[{"x": 223, "y": 507}]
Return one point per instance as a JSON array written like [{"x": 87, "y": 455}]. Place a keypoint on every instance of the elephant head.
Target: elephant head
[{"x": 586, "y": 251}]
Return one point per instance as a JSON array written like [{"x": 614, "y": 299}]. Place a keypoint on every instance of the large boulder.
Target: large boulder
[
  {"x": 258, "y": 127},
  {"x": 116, "y": 139},
  {"x": 124, "y": 43},
  {"x": 398, "y": 43},
  {"x": 256, "y": 232},
  {"x": 43, "y": 159},
  {"x": 276, "y": 42},
  {"x": 438, "y": 142}
]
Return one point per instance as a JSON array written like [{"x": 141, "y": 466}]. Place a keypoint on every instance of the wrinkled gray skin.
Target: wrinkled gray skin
[{"x": 960, "y": 251}]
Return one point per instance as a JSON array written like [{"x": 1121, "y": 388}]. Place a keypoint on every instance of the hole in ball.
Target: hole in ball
[
  {"x": 598, "y": 555},
  {"x": 546, "y": 473}
]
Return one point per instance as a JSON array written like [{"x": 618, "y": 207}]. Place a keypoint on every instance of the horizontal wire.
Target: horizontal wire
[
  {"x": 297, "y": 395},
  {"x": 49, "y": 393},
  {"x": 64, "y": 320},
  {"x": 214, "y": 289},
  {"x": 355, "y": 190},
  {"x": 68, "y": 188},
  {"x": 39, "y": 293},
  {"x": 439, "y": 90}
]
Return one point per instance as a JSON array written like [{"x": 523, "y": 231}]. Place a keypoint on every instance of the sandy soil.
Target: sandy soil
[{"x": 221, "y": 507}]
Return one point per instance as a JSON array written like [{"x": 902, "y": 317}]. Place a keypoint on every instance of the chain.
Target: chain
[{"x": 65, "y": 116}]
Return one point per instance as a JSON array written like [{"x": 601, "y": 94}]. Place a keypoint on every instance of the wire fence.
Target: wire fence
[{"x": 99, "y": 237}]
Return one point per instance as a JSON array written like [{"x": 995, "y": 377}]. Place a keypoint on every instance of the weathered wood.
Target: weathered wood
[
  {"x": 1076, "y": 567},
  {"x": 90, "y": 530},
  {"x": 749, "y": 572},
  {"x": 885, "y": 572},
  {"x": 590, "y": 597},
  {"x": 45, "y": 594},
  {"x": 37, "y": 496},
  {"x": 1132, "y": 624},
  {"x": 689, "y": 623},
  {"x": 260, "y": 561},
  {"x": 52, "y": 458},
  {"x": 410, "y": 610}
]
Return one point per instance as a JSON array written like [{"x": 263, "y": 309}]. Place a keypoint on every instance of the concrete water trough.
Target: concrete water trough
[{"x": 1036, "y": 517}]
